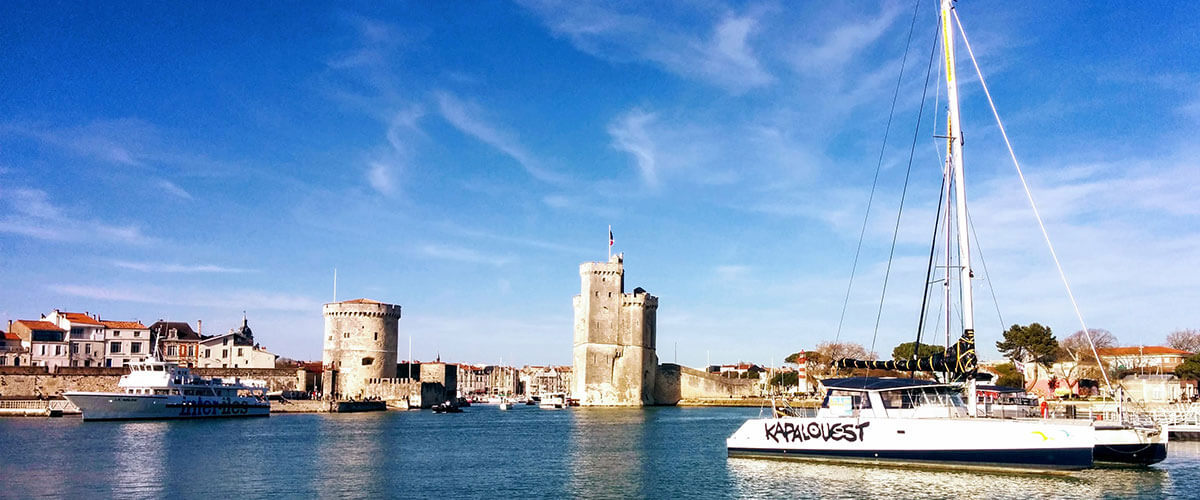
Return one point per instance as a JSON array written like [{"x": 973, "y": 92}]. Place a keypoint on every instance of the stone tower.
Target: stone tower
[
  {"x": 614, "y": 360},
  {"x": 360, "y": 344}
]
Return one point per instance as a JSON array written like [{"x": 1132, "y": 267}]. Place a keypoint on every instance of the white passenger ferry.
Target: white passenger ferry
[{"x": 161, "y": 390}]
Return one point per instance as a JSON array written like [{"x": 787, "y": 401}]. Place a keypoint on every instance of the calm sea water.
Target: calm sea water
[{"x": 485, "y": 452}]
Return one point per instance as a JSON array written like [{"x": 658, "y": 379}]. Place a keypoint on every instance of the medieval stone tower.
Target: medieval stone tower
[
  {"x": 615, "y": 362},
  {"x": 360, "y": 344}
]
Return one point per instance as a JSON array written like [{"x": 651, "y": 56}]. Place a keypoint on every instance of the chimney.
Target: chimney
[{"x": 199, "y": 327}]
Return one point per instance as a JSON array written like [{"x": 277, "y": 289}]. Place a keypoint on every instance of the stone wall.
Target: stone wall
[
  {"x": 418, "y": 394},
  {"x": 679, "y": 383},
  {"x": 360, "y": 344},
  {"x": 35, "y": 382}
]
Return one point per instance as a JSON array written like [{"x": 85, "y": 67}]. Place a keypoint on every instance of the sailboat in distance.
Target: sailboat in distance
[{"x": 907, "y": 421}]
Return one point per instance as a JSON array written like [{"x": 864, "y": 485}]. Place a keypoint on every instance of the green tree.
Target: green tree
[
  {"x": 1009, "y": 376},
  {"x": 905, "y": 351},
  {"x": 1189, "y": 369},
  {"x": 794, "y": 358},
  {"x": 1034, "y": 343},
  {"x": 785, "y": 379}
]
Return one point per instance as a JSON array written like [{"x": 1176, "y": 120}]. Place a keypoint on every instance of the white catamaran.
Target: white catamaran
[{"x": 880, "y": 420}]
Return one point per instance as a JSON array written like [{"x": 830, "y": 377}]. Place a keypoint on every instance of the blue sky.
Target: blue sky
[{"x": 463, "y": 158}]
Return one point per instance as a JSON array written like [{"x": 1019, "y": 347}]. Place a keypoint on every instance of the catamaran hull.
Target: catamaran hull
[
  {"x": 950, "y": 443},
  {"x": 1130, "y": 446},
  {"x": 117, "y": 406}
]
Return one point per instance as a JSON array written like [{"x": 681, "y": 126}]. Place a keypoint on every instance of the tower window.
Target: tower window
[
  {"x": 368, "y": 361},
  {"x": 376, "y": 335}
]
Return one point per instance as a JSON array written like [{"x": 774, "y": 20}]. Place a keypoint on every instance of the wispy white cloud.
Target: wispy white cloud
[
  {"x": 225, "y": 299},
  {"x": 470, "y": 119},
  {"x": 31, "y": 213},
  {"x": 172, "y": 188},
  {"x": 629, "y": 135},
  {"x": 841, "y": 45},
  {"x": 723, "y": 56},
  {"x": 460, "y": 254},
  {"x": 160, "y": 267}
]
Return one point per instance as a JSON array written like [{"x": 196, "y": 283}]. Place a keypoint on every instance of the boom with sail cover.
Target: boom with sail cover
[{"x": 959, "y": 360}]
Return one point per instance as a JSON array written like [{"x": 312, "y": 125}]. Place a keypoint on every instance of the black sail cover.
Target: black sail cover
[{"x": 959, "y": 360}]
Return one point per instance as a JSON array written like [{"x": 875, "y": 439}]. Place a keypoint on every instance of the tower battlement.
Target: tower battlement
[
  {"x": 361, "y": 338},
  {"x": 614, "y": 357}
]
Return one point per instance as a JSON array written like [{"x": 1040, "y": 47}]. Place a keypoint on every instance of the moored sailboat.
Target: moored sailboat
[{"x": 888, "y": 420}]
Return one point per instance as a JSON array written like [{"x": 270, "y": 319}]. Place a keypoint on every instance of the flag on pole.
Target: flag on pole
[{"x": 610, "y": 237}]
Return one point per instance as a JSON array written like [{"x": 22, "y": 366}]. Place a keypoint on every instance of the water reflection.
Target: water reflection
[
  {"x": 139, "y": 459},
  {"x": 606, "y": 452},
  {"x": 774, "y": 478}
]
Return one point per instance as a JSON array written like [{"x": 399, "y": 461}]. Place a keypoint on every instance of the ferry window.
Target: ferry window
[{"x": 160, "y": 391}]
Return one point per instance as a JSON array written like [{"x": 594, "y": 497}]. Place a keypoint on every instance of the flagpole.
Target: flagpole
[{"x": 610, "y": 242}]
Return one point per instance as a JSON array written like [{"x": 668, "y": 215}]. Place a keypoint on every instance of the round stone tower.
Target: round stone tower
[{"x": 360, "y": 344}]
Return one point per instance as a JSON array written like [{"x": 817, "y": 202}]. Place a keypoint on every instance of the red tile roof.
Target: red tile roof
[
  {"x": 11, "y": 336},
  {"x": 1149, "y": 350},
  {"x": 39, "y": 325},
  {"x": 80, "y": 318},
  {"x": 132, "y": 325}
]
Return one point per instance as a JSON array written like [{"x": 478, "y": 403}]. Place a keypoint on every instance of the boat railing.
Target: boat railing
[{"x": 39, "y": 404}]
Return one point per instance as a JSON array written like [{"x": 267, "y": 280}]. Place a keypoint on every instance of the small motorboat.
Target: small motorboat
[{"x": 446, "y": 407}]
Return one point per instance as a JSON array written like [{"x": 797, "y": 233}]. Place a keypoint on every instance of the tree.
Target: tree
[
  {"x": 1189, "y": 369},
  {"x": 1029, "y": 343},
  {"x": 1009, "y": 376},
  {"x": 905, "y": 351},
  {"x": 794, "y": 358},
  {"x": 1077, "y": 360},
  {"x": 785, "y": 379},
  {"x": 821, "y": 359},
  {"x": 1184, "y": 340}
]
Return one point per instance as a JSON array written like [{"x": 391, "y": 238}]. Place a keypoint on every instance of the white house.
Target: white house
[
  {"x": 235, "y": 349},
  {"x": 125, "y": 342}
]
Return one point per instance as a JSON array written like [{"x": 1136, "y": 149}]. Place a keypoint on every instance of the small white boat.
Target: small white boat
[
  {"x": 555, "y": 401},
  {"x": 161, "y": 390},
  {"x": 506, "y": 405}
]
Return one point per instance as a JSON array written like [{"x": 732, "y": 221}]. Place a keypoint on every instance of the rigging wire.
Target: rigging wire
[
  {"x": 912, "y": 150},
  {"x": 878, "y": 167},
  {"x": 1029, "y": 196},
  {"x": 987, "y": 277}
]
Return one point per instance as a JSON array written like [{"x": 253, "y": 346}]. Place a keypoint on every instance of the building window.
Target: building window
[
  {"x": 135, "y": 347},
  {"x": 58, "y": 350},
  {"x": 108, "y": 363},
  {"x": 239, "y": 351},
  {"x": 137, "y": 334},
  {"x": 43, "y": 349},
  {"x": 208, "y": 353},
  {"x": 115, "y": 347},
  {"x": 116, "y": 333},
  {"x": 3, "y": 360},
  {"x": 224, "y": 354},
  {"x": 225, "y": 341},
  {"x": 171, "y": 350},
  {"x": 87, "y": 348},
  {"x": 74, "y": 348}
]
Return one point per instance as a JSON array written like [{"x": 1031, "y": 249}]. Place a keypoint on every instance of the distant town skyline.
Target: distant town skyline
[{"x": 186, "y": 162}]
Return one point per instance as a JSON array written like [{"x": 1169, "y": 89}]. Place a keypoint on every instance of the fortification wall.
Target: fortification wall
[
  {"x": 694, "y": 384},
  {"x": 35, "y": 384}
]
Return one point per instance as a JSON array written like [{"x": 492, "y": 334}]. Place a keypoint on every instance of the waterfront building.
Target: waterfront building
[
  {"x": 12, "y": 352},
  {"x": 47, "y": 342},
  {"x": 235, "y": 349},
  {"x": 176, "y": 342},
  {"x": 360, "y": 342},
  {"x": 125, "y": 342},
  {"x": 1149, "y": 359},
  {"x": 473, "y": 380},
  {"x": 615, "y": 362},
  {"x": 85, "y": 336},
  {"x": 539, "y": 380}
]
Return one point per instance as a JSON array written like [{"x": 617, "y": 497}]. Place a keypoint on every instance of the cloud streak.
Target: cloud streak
[
  {"x": 469, "y": 119},
  {"x": 228, "y": 299},
  {"x": 31, "y": 214},
  {"x": 160, "y": 267}
]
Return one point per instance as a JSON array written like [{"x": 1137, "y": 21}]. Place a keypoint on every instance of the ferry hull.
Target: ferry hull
[
  {"x": 1005, "y": 445},
  {"x": 117, "y": 406}
]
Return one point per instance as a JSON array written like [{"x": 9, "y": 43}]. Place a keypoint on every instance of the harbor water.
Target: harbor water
[{"x": 485, "y": 452}]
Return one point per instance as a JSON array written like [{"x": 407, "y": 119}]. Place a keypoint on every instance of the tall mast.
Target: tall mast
[{"x": 960, "y": 191}]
